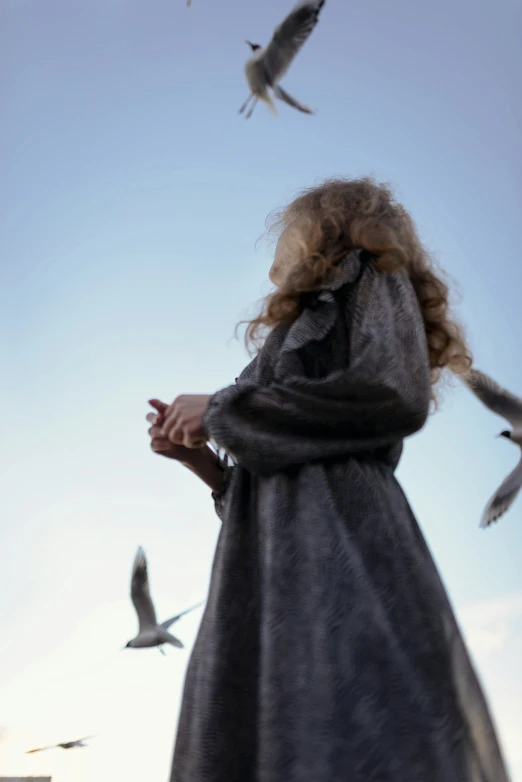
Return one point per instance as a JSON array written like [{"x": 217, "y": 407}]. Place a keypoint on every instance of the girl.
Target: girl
[{"x": 328, "y": 651}]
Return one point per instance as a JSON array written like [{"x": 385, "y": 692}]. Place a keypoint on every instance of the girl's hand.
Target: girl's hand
[
  {"x": 202, "y": 461},
  {"x": 164, "y": 447},
  {"x": 182, "y": 422}
]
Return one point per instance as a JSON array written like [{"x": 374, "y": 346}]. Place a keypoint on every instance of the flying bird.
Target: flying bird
[
  {"x": 65, "y": 745},
  {"x": 150, "y": 632},
  {"x": 509, "y": 406},
  {"x": 267, "y": 66}
]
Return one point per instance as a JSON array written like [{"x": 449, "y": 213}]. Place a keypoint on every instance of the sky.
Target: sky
[{"x": 132, "y": 197}]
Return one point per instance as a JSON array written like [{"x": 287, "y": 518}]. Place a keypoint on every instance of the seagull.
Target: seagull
[
  {"x": 509, "y": 406},
  {"x": 267, "y": 66},
  {"x": 150, "y": 632},
  {"x": 65, "y": 745}
]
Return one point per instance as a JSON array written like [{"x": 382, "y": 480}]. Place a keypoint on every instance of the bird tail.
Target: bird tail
[
  {"x": 280, "y": 93},
  {"x": 266, "y": 98},
  {"x": 175, "y": 641}
]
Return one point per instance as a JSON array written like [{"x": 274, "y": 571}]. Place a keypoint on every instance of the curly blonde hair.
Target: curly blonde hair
[{"x": 343, "y": 214}]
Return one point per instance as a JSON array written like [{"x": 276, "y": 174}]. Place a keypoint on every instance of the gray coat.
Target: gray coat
[{"x": 328, "y": 651}]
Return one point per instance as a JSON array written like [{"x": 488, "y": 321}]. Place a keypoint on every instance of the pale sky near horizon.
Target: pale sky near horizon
[{"x": 132, "y": 196}]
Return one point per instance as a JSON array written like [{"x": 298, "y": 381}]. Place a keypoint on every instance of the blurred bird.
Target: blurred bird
[
  {"x": 150, "y": 632},
  {"x": 268, "y": 65},
  {"x": 509, "y": 406},
  {"x": 65, "y": 745}
]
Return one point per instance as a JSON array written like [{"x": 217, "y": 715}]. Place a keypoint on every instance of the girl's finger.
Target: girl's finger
[
  {"x": 170, "y": 421},
  {"x": 152, "y": 418},
  {"x": 155, "y": 431},
  {"x": 159, "y": 444},
  {"x": 160, "y": 406},
  {"x": 175, "y": 435}
]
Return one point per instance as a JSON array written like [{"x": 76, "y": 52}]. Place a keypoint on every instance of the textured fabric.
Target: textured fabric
[{"x": 328, "y": 650}]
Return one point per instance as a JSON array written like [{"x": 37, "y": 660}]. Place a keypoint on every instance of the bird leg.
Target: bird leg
[
  {"x": 251, "y": 110},
  {"x": 245, "y": 104},
  {"x": 161, "y": 650}
]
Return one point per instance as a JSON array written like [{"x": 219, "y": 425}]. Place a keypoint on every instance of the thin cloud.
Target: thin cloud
[{"x": 490, "y": 625}]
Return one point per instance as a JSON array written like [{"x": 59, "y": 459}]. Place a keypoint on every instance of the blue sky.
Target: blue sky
[{"x": 132, "y": 196}]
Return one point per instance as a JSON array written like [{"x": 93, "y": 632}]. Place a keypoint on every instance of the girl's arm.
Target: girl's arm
[
  {"x": 204, "y": 463},
  {"x": 374, "y": 391}
]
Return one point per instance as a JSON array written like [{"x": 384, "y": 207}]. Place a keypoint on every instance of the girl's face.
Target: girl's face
[{"x": 286, "y": 254}]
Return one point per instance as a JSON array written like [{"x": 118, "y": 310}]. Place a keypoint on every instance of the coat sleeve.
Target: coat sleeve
[{"x": 373, "y": 392}]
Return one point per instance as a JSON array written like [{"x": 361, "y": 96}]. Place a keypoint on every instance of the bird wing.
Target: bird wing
[
  {"x": 496, "y": 398},
  {"x": 280, "y": 93},
  {"x": 289, "y": 37},
  {"x": 169, "y": 622},
  {"x": 140, "y": 592},
  {"x": 503, "y": 497},
  {"x": 75, "y": 743}
]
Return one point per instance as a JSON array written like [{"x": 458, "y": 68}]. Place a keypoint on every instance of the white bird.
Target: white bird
[
  {"x": 509, "y": 406},
  {"x": 150, "y": 632},
  {"x": 268, "y": 65},
  {"x": 65, "y": 745}
]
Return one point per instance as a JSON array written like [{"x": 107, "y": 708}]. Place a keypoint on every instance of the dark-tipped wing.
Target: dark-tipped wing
[
  {"x": 75, "y": 743},
  {"x": 169, "y": 622},
  {"x": 65, "y": 745},
  {"x": 496, "y": 398},
  {"x": 503, "y": 497},
  {"x": 140, "y": 592},
  {"x": 289, "y": 37}
]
